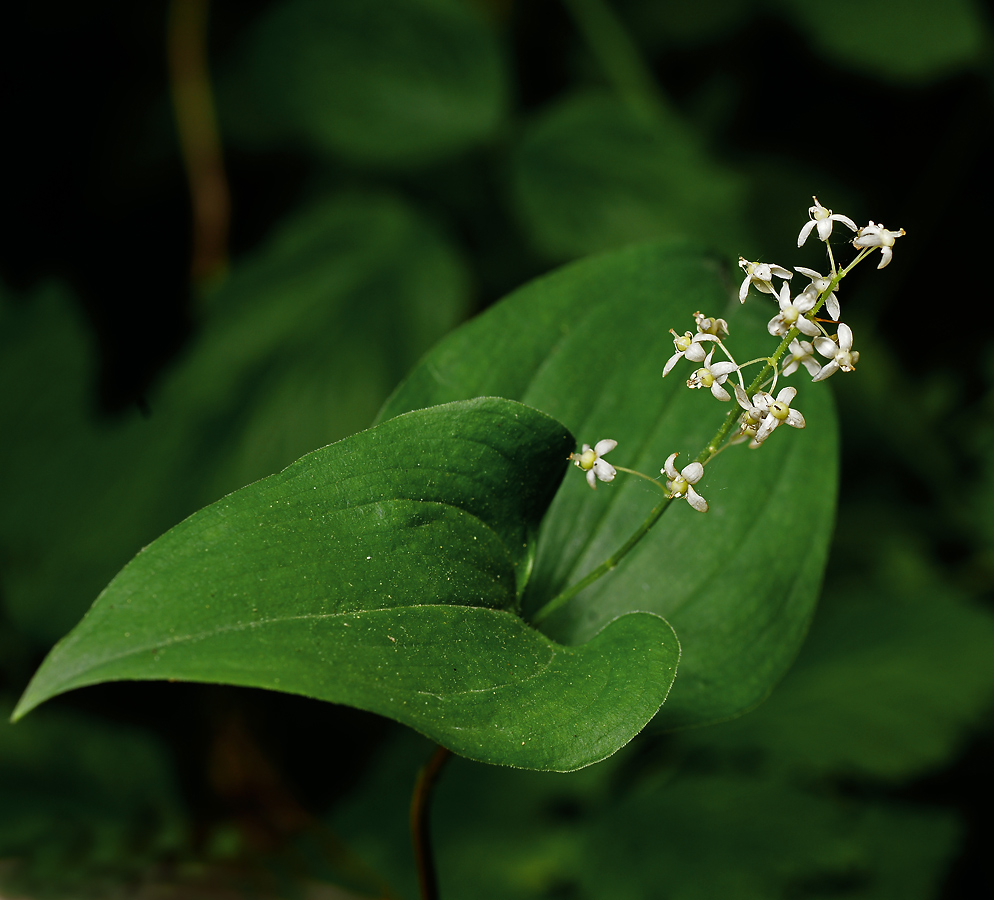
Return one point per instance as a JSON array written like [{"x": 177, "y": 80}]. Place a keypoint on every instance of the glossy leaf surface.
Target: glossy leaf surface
[
  {"x": 380, "y": 572},
  {"x": 298, "y": 347},
  {"x": 587, "y": 345}
]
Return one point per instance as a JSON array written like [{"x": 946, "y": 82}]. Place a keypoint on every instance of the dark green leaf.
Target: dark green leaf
[
  {"x": 587, "y": 345},
  {"x": 616, "y": 832},
  {"x": 589, "y": 175},
  {"x": 379, "y": 572},
  {"x": 925, "y": 40},
  {"x": 894, "y": 674},
  {"x": 394, "y": 82},
  {"x": 298, "y": 348},
  {"x": 82, "y": 800}
]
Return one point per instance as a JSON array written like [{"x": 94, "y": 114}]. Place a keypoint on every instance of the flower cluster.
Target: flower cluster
[{"x": 822, "y": 346}]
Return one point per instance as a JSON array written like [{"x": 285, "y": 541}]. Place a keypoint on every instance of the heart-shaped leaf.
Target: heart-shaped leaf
[
  {"x": 382, "y": 572},
  {"x": 586, "y": 345}
]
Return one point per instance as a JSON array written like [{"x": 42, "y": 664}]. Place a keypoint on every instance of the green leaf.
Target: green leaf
[
  {"x": 625, "y": 828},
  {"x": 895, "y": 673},
  {"x": 298, "y": 348},
  {"x": 589, "y": 175},
  {"x": 379, "y": 572},
  {"x": 82, "y": 800},
  {"x": 396, "y": 82},
  {"x": 924, "y": 40},
  {"x": 587, "y": 345}
]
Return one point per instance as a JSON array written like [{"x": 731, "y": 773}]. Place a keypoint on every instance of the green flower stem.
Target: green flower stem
[
  {"x": 716, "y": 443},
  {"x": 610, "y": 563},
  {"x": 713, "y": 447},
  {"x": 619, "y": 58}
]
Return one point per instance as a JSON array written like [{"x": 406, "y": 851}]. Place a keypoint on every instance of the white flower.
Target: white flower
[
  {"x": 792, "y": 312},
  {"x": 822, "y": 218},
  {"x": 712, "y": 375},
  {"x": 840, "y": 355},
  {"x": 819, "y": 284},
  {"x": 874, "y": 235},
  {"x": 718, "y": 328},
  {"x": 689, "y": 345},
  {"x": 760, "y": 274},
  {"x": 589, "y": 459},
  {"x": 752, "y": 418},
  {"x": 680, "y": 484},
  {"x": 778, "y": 411},
  {"x": 801, "y": 354}
]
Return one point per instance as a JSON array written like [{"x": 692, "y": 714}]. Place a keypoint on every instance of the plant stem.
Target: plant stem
[
  {"x": 421, "y": 825},
  {"x": 610, "y": 563},
  {"x": 711, "y": 449},
  {"x": 199, "y": 137}
]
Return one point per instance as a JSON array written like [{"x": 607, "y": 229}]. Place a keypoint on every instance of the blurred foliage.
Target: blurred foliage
[{"x": 395, "y": 166}]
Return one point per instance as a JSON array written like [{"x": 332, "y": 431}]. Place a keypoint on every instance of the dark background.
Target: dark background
[{"x": 770, "y": 105}]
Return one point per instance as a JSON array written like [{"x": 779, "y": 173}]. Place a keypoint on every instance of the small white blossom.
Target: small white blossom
[
  {"x": 712, "y": 375},
  {"x": 689, "y": 345},
  {"x": 874, "y": 235},
  {"x": 822, "y": 219},
  {"x": 777, "y": 412},
  {"x": 819, "y": 284},
  {"x": 680, "y": 484},
  {"x": 801, "y": 354},
  {"x": 589, "y": 459},
  {"x": 751, "y": 419},
  {"x": 840, "y": 354},
  {"x": 792, "y": 312},
  {"x": 717, "y": 328},
  {"x": 761, "y": 275}
]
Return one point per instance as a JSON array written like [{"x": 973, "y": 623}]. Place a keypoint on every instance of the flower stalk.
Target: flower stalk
[{"x": 756, "y": 413}]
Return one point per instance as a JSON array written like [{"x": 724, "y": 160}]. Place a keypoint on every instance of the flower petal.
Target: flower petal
[
  {"x": 719, "y": 392},
  {"x": 765, "y": 429},
  {"x": 725, "y": 368},
  {"x": 696, "y": 500},
  {"x": 695, "y": 352},
  {"x": 669, "y": 468},
  {"x": 826, "y": 370},
  {"x": 794, "y": 418},
  {"x": 693, "y": 472},
  {"x": 845, "y": 336},
  {"x": 805, "y": 232},
  {"x": 744, "y": 288},
  {"x": 604, "y": 470},
  {"x": 832, "y": 305},
  {"x": 826, "y": 346},
  {"x": 605, "y": 446}
]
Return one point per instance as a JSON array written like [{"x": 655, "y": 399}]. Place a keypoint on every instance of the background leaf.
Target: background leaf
[
  {"x": 397, "y": 82},
  {"x": 925, "y": 41},
  {"x": 337, "y": 579},
  {"x": 641, "y": 822},
  {"x": 589, "y": 175},
  {"x": 587, "y": 345},
  {"x": 81, "y": 800},
  {"x": 299, "y": 347}
]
